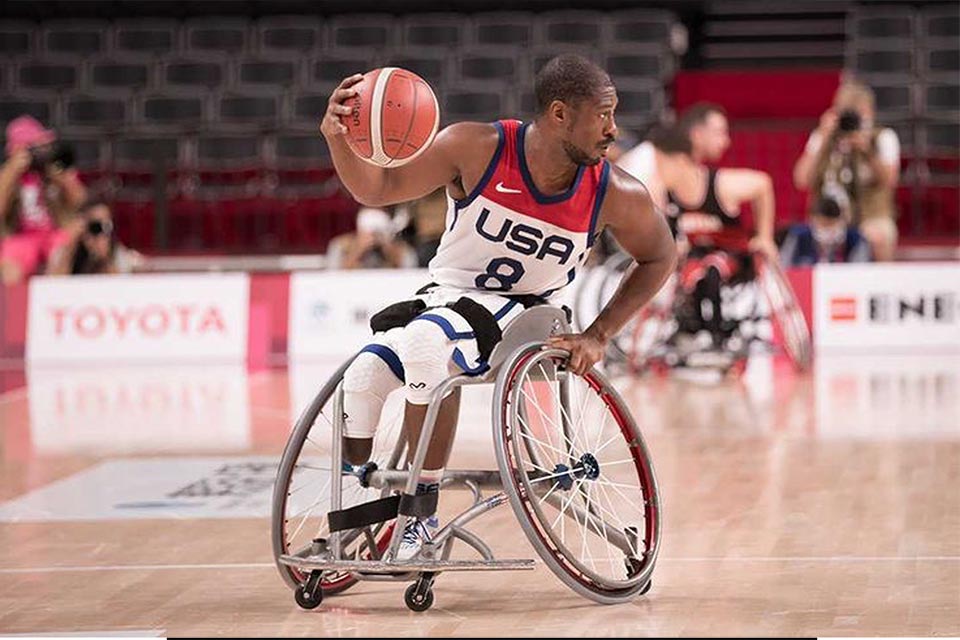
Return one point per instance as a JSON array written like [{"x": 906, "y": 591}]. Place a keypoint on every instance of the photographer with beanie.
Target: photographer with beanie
[{"x": 39, "y": 192}]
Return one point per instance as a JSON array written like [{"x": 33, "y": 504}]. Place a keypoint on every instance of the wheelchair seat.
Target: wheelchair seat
[{"x": 535, "y": 324}]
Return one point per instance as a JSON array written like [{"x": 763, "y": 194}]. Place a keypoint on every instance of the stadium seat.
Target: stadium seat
[
  {"x": 367, "y": 32},
  {"x": 224, "y": 34},
  {"x": 635, "y": 26},
  {"x": 507, "y": 28},
  {"x": 47, "y": 75},
  {"x": 111, "y": 75},
  {"x": 267, "y": 72},
  {"x": 87, "y": 111},
  {"x": 638, "y": 62},
  {"x": 430, "y": 64},
  {"x": 176, "y": 110},
  {"x": 433, "y": 30},
  {"x": 194, "y": 73},
  {"x": 12, "y": 106},
  {"x": 289, "y": 34},
  {"x": 16, "y": 38},
  {"x": 579, "y": 28},
  {"x": 74, "y": 37},
  {"x": 155, "y": 36},
  {"x": 491, "y": 63}
]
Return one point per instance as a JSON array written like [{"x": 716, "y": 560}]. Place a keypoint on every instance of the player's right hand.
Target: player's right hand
[{"x": 331, "y": 125}]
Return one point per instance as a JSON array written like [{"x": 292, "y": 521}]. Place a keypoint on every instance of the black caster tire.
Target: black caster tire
[
  {"x": 305, "y": 601},
  {"x": 418, "y": 603},
  {"x": 646, "y": 587}
]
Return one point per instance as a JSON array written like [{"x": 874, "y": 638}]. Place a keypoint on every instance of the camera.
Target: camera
[
  {"x": 849, "y": 121},
  {"x": 55, "y": 155},
  {"x": 96, "y": 227}
]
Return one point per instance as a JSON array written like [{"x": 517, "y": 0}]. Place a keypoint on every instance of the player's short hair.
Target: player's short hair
[
  {"x": 697, "y": 114},
  {"x": 670, "y": 139},
  {"x": 570, "y": 79}
]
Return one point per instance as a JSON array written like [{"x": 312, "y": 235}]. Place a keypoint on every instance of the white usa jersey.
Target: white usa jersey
[{"x": 509, "y": 238}]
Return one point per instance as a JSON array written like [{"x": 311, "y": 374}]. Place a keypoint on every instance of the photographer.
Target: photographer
[
  {"x": 39, "y": 190},
  {"x": 92, "y": 246},
  {"x": 848, "y": 151},
  {"x": 372, "y": 246},
  {"x": 826, "y": 238}
]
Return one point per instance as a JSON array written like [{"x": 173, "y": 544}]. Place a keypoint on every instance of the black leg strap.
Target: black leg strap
[
  {"x": 484, "y": 324},
  {"x": 364, "y": 515},
  {"x": 421, "y": 506}
]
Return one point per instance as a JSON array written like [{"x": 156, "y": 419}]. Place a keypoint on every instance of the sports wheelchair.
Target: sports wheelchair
[
  {"x": 571, "y": 462},
  {"x": 645, "y": 343}
]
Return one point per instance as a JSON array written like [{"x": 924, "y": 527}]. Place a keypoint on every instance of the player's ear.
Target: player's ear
[{"x": 559, "y": 112}]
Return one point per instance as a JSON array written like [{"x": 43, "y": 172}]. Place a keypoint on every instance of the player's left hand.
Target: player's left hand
[
  {"x": 766, "y": 246},
  {"x": 585, "y": 350}
]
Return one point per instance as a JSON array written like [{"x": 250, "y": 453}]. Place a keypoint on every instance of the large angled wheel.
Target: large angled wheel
[
  {"x": 302, "y": 496},
  {"x": 578, "y": 475},
  {"x": 785, "y": 311}
]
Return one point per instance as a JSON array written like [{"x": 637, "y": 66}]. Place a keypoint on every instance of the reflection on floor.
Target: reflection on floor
[{"x": 818, "y": 504}]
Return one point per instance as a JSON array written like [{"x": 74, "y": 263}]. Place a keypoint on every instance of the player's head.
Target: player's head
[
  {"x": 576, "y": 99},
  {"x": 669, "y": 140},
  {"x": 705, "y": 124}
]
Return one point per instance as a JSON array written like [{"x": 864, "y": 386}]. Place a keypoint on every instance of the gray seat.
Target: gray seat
[
  {"x": 942, "y": 99},
  {"x": 329, "y": 69},
  {"x": 508, "y": 28},
  {"x": 893, "y": 96},
  {"x": 89, "y": 152},
  {"x": 368, "y": 32},
  {"x": 429, "y": 64},
  {"x": 228, "y": 35},
  {"x": 267, "y": 72},
  {"x": 943, "y": 137},
  {"x": 490, "y": 63},
  {"x": 444, "y": 30},
  {"x": 638, "y": 62},
  {"x": 132, "y": 151},
  {"x": 635, "y": 26},
  {"x": 578, "y": 28},
  {"x": 187, "y": 73},
  {"x": 535, "y": 324},
  {"x": 308, "y": 108},
  {"x": 940, "y": 22},
  {"x": 248, "y": 109},
  {"x": 526, "y": 105},
  {"x": 12, "y": 106},
  {"x": 889, "y": 23},
  {"x": 145, "y": 36},
  {"x": 48, "y": 75},
  {"x": 301, "y": 150},
  {"x": 16, "y": 38},
  {"x": 115, "y": 74},
  {"x": 227, "y": 150},
  {"x": 483, "y": 102},
  {"x": 289, "y": 34},
  {"x": 74, "y": 37},
  {"x": 173, "y": 110},
  {"x": 95, "y": 111},
  {"x": 943, "y": 59},
  {"x": 884, "y": 61},
  {"x": 639, "y": 103}
]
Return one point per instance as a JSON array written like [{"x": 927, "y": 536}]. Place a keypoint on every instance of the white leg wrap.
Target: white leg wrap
[
  {"x": 425, "y": 351},
  {"x": 366, "y": 384}
]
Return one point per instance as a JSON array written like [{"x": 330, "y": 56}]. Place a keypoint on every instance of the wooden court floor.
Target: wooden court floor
[{"x": 823, "y": 504}]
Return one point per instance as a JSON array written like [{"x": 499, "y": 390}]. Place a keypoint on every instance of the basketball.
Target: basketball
[{"x": 395, "y": 117}]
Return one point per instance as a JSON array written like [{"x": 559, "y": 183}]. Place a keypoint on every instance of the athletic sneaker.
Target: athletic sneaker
[{"x": 415, "y": 534}]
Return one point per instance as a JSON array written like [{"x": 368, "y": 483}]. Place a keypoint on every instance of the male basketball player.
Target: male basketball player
[
  {"x": 703, "y": 204},
  {"x": 527, "y": 202}
]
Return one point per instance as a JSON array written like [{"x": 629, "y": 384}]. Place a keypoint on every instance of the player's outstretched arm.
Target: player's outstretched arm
[
  {"x": 643, "y": 233},
  {"x": 756, "y": 187},
  {"x": 376, "y": 186}
]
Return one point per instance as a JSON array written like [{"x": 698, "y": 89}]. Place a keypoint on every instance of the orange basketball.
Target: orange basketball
[{"x": 395, "y": 117}]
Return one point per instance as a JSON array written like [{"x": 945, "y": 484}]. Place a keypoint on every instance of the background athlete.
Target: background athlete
[{"x": 527, "y": 201}]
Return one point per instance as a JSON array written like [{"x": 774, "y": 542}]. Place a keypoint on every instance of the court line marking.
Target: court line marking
[{"x": 263, "y": 565}]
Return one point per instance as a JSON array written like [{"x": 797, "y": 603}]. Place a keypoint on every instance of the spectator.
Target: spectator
[
  {"x": 848, "y": 150},
  {"x": 826, "y": 238},
  {"x": 39, "y": 191},
  {"x": 92, "y": 247},
  {"x": 372, "y": 246}
]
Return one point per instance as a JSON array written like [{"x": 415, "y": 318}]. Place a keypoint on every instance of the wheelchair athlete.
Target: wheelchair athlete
[
  {"x": 526, "y": 203},
  {"x": 703, "y": 208}
]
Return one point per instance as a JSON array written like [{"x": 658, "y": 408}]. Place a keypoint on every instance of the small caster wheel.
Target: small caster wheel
[
  {"x": 310, "y": 595},
  {"x": 418, "y": 598},
  {"x": 646, "y": 587}
]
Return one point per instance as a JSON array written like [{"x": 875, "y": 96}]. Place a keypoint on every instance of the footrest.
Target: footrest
[{"x": 320, "y": 563}]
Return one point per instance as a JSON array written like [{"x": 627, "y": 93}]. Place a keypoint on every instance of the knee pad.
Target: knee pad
[
  {"x": 366, "y": 384},
  {"x": 425, "y": 351}
]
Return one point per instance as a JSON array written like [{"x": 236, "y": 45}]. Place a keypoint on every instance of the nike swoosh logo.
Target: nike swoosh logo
[{"x": 503, "y": 189}]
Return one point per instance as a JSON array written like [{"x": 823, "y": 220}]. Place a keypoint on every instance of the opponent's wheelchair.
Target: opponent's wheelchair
[
  {"x": 645, "y": 342},
  {"x": 571, "y": 461}
]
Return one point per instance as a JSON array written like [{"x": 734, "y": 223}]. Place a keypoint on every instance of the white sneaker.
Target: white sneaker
[{"x": 415, "y": 534}]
